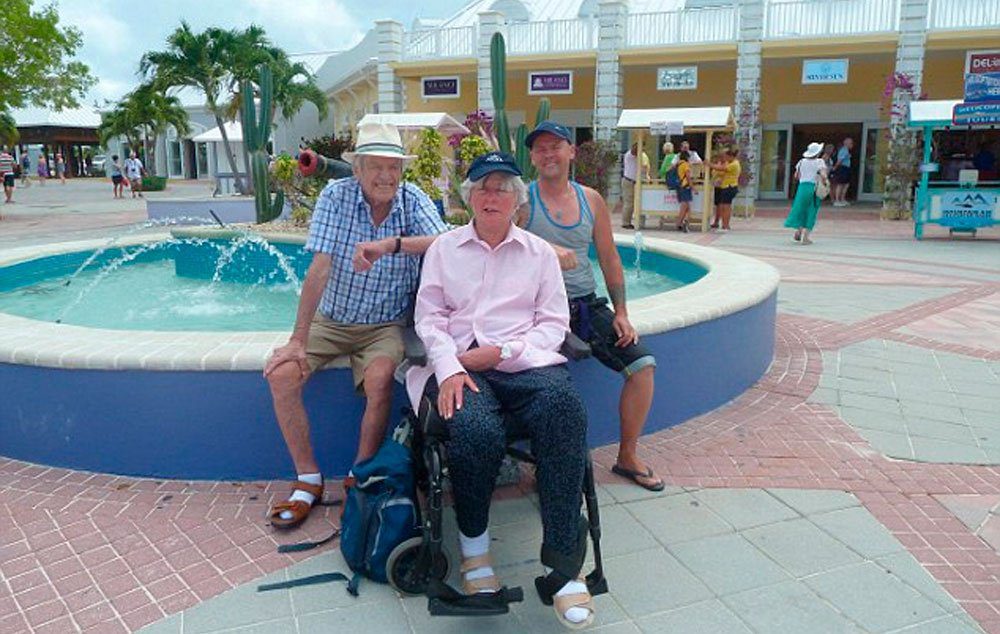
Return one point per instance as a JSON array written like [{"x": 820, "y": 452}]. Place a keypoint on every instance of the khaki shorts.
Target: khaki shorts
[
  {"x": 362, "y": 343},
  {"x": 628, "y": 201}
]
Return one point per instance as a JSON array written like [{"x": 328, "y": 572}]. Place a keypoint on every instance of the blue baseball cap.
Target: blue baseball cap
[
  {"x": 549, "y": 127},
  {"x": 492, "y": 162}
]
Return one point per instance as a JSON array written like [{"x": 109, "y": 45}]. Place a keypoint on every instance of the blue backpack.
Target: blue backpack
[
  {"x": 380, "y": 513},
  {"x": 672, "y": 179}
]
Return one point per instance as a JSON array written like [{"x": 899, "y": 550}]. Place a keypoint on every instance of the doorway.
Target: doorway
[{"x": 835, "y": 133}]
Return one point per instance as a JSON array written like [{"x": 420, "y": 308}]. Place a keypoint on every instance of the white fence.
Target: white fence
[
  {"x": 812, "y": 18},
  {"x": 438, "y": 43},
  {"x": 963, "y": 14},
  {"x": 552, "y": 36},
  {"x": 690, "y": 26}
]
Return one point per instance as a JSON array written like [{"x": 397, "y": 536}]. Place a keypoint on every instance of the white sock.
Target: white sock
[
  {"x": 304, "y": 496},
  {"x": 473, "y": 547},
  {"x": 573, "y": 615}
]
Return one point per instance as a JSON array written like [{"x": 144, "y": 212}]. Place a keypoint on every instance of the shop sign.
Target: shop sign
[
  {"x": 929, "y": 168},
  {"x": 666, "y": 128},
  {"x": 967, "y": 204},
  {"x": 825, "y": 71},
  {"x": 550, "y": 82},
  {"x": 677, "y": 78},
  {"x": 976, "y": 114},
  {"x": 982, "y": 76},
  {"x": 440, "y": 87}
]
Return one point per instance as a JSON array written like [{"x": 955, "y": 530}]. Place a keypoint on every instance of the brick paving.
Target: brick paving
[{"x": 100, "y": 553}]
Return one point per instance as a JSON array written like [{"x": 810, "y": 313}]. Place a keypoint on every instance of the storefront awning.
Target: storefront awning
[
  {"x": 440, "y": 121},
  {"x": 695, "y": 119},
  {"x": 233, "y": 130},
  {"x": 923, "y": 113}
]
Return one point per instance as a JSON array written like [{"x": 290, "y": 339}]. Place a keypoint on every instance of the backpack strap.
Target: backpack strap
[{"x": 301, "y": 546}]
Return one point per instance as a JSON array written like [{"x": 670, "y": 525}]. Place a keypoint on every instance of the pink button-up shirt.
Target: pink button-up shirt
[{"x": 513, "y": 294}]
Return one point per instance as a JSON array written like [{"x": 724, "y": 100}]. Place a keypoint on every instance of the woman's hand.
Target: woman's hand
[{"x": 451, "y": 394}]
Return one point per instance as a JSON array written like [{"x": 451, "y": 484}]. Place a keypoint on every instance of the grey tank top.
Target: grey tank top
[{"x": 580, "y": 280}]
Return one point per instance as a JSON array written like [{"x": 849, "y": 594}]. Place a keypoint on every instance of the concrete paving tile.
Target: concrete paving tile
[
  {"x": 535, "y": 616},
  {"x": 277, "y": 626},
  {"x": 388, "y": 617},
  {"x": 652, "y": 581},
  {"x": 870, "y": 419},
  {"x": 618, "y": 628},
  {"x": 873, "y": 599},
  {"x": 934, "y": 450},
  {"x": 707, "y": 617},
  {"x": 871, "y": 361},
  {"x": 941, "y": 430},
  {"x": 728, "y": 563},
  {"x": 622, "y": 534},
  {"x": 800, "y": 547},
  {"x": 859, "y": 531},
  {"x": 978, "y": 417},
  {"x": 874, "y": 403},
  {"x": 169, "y": 625},
  {"x": 966, "y": 387},
  {"x": 516, "y": 549},
  {"x": 421, "y": 621},
  {"x": 623, "y": 493},
  {"x": 904, "y": 566},
  {"x": 890, "y": 444},
  {"x": 240, "y": 607},
  {"x": 329, "y": 596},
  {"x": 788, "y": 607},
  {"x": 825, "y": 395},
  {"x": 986, "y": 437},
  {"x": 866, "y": 388},
  {"x": 864, "y": 374},
  {"x": 972, "y": 510},
  {"x": 933, "y": 412},
  {"x": 812, "y": 501},
  {"x": 678, "y": 518},
  {"x": 512, "y": 511},
  {"x": 979, "y": 403},
  {"x": 745, "y": 508},
  {"x": 921, "y": 394},
  {"x": 945, "y": 625}
]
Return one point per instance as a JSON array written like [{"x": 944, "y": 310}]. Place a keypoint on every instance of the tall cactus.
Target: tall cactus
[
  {"x": 498, "y": 80},
  {"x": 256, "y": 132}
]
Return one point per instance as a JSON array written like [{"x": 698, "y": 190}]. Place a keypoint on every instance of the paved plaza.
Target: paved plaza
[{"x": 854, "y": 488}]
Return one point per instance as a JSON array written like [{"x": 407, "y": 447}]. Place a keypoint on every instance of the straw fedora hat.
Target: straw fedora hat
[
  {"x": 814, "y": 150},
  {"x": 378, "y": 139}
]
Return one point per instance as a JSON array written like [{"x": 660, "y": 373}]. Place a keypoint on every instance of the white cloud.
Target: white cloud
[{"x": 308, "y": 25}]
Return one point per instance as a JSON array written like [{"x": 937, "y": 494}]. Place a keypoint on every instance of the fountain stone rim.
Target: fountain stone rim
[{"x": 732, "y": 283}]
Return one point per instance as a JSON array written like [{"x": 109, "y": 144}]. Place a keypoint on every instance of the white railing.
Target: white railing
[
  {"x": 438, "y": 43},
  {"x": 552, "y": 36},
  {"x": 688, "y": 26},
  {"x": 963, "y": 14},
  {"x": 826, "y": 18}
]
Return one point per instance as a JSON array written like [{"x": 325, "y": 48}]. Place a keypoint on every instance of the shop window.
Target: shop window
[
  {"x": 174, "y": 155},
  {"x": 201, "y": 149}
]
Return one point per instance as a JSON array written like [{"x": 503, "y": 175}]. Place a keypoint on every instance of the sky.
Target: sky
[{"x": 116, "y": 33}]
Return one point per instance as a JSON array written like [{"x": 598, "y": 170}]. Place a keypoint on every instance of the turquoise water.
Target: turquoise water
[{"x": 172, "y": 287}]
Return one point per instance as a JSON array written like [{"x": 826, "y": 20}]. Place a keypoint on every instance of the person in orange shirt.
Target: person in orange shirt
[{"x": 726, "y": 173}]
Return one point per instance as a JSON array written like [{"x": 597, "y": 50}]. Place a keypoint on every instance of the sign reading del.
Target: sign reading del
[{"x": 982, "y": 76}]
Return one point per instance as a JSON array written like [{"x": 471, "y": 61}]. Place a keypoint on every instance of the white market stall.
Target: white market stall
[
  {"x": 654, "y": 198},
  {"x": 217, "y": 163}
]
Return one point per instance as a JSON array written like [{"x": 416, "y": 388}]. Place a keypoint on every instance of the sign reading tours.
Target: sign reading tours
[
  {"x": 440, "y": 87},
  {"x": 976, "y": 114},
  {"x": 550, "y": 82},
  {"x": 982, "y": 76},
  {"x": 825, "y": 71},
  {"x": 677, "y": 78}
]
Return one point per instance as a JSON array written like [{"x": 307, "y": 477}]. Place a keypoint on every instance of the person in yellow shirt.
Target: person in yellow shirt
[
  {"x": 685, "y": 193},
  {"x": 726, "y": 174}
]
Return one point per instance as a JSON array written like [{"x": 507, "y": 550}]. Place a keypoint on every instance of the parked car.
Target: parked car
[{"x": 98, "y": 165}]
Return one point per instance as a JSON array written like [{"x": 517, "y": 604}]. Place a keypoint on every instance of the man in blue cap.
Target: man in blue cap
[{"x": 571, "y": 217}]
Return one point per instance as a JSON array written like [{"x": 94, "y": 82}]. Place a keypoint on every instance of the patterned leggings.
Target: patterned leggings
[{"x": 542, "y": 404}]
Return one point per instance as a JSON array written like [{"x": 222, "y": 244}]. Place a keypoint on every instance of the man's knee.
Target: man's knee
[
  {"x": 378, "y": 378},
  {"x": 286, "y": 380}
]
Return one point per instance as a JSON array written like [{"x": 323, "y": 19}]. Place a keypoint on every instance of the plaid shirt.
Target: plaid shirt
[{"x": 342, "y": 219}]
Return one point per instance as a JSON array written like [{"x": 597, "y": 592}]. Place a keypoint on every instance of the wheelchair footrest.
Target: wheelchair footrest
[
  {"x": 597, "y": 585},
  {"x": 447, "y": 601}
]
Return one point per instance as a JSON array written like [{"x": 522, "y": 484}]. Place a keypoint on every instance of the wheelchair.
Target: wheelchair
[{"x": 420, "y": 566}]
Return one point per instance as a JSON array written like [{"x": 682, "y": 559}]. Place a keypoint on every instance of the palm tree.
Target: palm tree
[
  {"x": 8, "y": 129},
  {"x": 120, "y": 121},
  {"x": 155, "y": 112},
  {"x": 203, "y": 61}
]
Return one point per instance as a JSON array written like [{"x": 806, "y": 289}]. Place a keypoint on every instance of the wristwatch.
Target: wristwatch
[{"x": 506, "y": 351}]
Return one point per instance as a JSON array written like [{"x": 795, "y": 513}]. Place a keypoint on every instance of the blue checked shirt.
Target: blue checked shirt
[{"x": 342, "y": 219}]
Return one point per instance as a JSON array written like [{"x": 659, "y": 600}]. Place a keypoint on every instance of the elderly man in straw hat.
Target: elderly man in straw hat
[{"x": 365, "y": 236}]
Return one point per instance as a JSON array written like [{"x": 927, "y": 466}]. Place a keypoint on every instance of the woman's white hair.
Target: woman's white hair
[{"x": 511, "y": 183}]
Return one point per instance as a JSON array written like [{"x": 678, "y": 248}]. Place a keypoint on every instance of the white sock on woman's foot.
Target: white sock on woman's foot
[
  {"x": 303, "y": 496},
  {"x": 573, "y": 615},
  {"x": 474, "y": 547}
]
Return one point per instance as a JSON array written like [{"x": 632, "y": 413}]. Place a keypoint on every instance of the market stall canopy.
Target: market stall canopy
[
  {"x": 233, "y": 130},
  {"x": 938, "y": 112},
  {"x": 694, "y": 119},
  {"x": 440, "y": 121}
]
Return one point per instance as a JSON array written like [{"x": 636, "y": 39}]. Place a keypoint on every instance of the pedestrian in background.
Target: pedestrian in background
[
  {"x": 632, "y": 165},
  {"x": 60, "y": 168},
  {"x": 43, "y": 168},
  {"x": 25, "y": 168},
  {"x": 117, "y": 180},
  {"x": 7, "y": 164},
  {"x": 726, "y": 175},
  {"x": 840, "y": 177},
  {"x": 811, "y": 173}
]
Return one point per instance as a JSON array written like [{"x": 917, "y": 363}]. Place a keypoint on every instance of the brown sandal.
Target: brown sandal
[
  {"x": 562, "y": 604},
  {"x": 298, "y": 508},
  {"x": 483, "y": 584}
]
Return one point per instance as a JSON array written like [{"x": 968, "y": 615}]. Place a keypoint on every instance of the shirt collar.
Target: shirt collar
[{"x": 467, "y": 233}]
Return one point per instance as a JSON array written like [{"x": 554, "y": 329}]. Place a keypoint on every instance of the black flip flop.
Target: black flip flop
[{"x": 635, "y": 475}]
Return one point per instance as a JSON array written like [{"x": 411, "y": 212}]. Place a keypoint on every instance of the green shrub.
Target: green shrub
[{"x": 154, "y": 183}]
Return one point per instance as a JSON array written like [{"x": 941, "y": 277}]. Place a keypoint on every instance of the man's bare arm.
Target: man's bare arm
[
  {"x": 607, "y": 252},
  {"x": 312, "y": 291}
]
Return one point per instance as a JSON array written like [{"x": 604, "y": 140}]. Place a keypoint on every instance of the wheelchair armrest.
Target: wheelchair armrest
[
  {"x": 413, "y": 348},
  {"x": 574, "y": 348}
]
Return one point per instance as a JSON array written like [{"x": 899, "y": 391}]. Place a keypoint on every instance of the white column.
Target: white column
[
  {"x": 490, "y": 22},
  {"x": 390, "y": 50},
  {"x": 612, "y": 15},
  {"x": 747, "y": 97}
]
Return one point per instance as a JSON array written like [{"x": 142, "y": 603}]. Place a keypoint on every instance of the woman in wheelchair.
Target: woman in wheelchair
[{"x": 492, "y": 313}]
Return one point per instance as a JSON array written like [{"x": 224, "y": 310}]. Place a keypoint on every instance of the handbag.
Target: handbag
[{"x": 822, "y": 186}]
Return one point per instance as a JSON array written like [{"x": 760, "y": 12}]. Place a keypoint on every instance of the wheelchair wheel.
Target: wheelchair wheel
[{"x": 404, "y": 573}]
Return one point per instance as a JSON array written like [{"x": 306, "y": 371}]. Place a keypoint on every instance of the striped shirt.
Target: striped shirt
[
  {"x": 342, "y": 218},
  {"x": 6, "y": 164}
]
